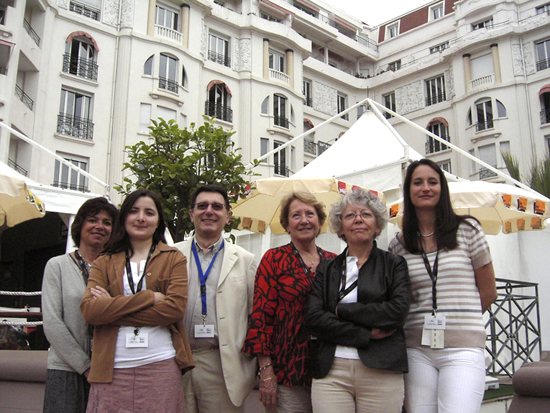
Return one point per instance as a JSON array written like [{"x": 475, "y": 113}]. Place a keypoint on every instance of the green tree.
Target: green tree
[
  {"x": 539, "y": 173},
  {"x": 174, "y": 162}
]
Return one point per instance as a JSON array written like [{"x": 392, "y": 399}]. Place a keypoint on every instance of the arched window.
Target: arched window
[
  {"x": 167, "y": 73},
  {"x": 439, "y": 127},
  {"x": 280, "y": 111},
  {"x": 219, "y": 101},
  {"x": 80, "y": 56},
  {"x": 483, "y": 113},
  {"x": 148, "y": 66},
  {"x": 544, "y": 95}
]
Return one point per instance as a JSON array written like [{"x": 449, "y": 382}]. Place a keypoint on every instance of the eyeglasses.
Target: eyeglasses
[
  {"x": 203, "y": 206},
  {"x": 351, "y": 216}
]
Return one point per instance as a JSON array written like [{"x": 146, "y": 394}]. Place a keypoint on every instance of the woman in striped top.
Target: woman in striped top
[{"x": 453, "y": 283}]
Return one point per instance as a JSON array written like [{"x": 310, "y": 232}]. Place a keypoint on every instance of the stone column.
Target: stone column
[
  {"x": 266, "y": 58},
  {"x": 151, "y": 17},
  {"x": 467, "y": 71},
  {"x": 290, "y": 66},
  {"x": 496, "y": 63},
  {"x": 184, "y": 24}
]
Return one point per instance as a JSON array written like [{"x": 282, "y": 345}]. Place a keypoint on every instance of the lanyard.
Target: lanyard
[
  {"x": 432, "y": 274},
  {"x": 345, "y": 291},
  {"x": 203, "y": 276},
  {"x": 306, "y": 269},
  {"x": 83, "y": 266},
  {"x": 129, "y": 271}
]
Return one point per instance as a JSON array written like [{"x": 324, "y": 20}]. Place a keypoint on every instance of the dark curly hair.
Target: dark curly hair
[{"x": 91, "y": 208}]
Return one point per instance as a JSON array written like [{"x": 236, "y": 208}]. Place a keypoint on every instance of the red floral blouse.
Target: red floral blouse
[{"x": 276, "y": 325}]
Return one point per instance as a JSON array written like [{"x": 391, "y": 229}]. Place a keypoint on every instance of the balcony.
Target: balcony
[
  {"x": 75, "y": 126},
  {"x": 321, "y": 147},
  {"x": 168, "y": 33},
  {"x": 485, "y": 173},
  {"x": 433, "y": 145},
  {"x": 31, "y": 32},
  {"x": 74, "y": 187},
  {"x": 543, "y": 64},
  {"x": 220, "y": 58},
  {"x": 279, "y": 76},
  {"x": 218, "y": 111},
  {"x": 281, "y": 170},
  {"x": 432, "y": 100},
  {"x": 545, "y": 116},
  {"x": 168, "y": 84},
  {"x": 310, "y": 146},
  {"x": 84, "y": 10},
  {"x": 281, "y": 121},
  {"x": 18, "y": 168},
  {"x": 23, "y": 97},
  {"x": 484, "y": 125},
  {"x": 482, "y": 81},
  {"x": 85, "y": 68}
]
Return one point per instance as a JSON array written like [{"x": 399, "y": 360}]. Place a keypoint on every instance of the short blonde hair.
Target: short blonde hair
[{"x": 306, "y": 198}]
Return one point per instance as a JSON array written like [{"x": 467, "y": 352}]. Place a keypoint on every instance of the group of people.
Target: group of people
[{"x": 364, "y": 331}]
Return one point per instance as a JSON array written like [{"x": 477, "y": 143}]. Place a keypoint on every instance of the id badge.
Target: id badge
[
  {"x": 433, "y": 331},
  {"x": 204, "y": 331},
  {"x": 140, "y": 340}
]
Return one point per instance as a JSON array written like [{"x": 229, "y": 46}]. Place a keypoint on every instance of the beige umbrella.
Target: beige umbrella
[
  {"x": 498, "y": 207},
  {"x": 17, "y": 202},
  {"x": 261, "y": 207}
]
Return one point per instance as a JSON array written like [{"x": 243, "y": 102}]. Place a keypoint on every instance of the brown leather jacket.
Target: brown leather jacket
[{"x": 166, "y": 273}]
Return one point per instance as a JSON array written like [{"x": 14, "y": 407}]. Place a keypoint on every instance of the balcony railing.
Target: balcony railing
[
  {"x": 433, "y": 145},
  {"x": 18, "y": 168},
  {"x": 309, "y": 101},
  {"x": 484, "y": 125},
  {"x": 220, "y": 58},
  {"x": 280, "y": 76},
  {"x": 281, "y": 170},
  {"x": 432, "y": 100},
  {"x": 168, "y": 84},
  {"x": 31, "y": 32},
  {"x": 545, "y": 116},
  {"x": 310, "y": 146},
  {"x": 75, "y": 126},
  {"x": 168, "y": 33},
  {"x": 281, "y": 121},
  {"x": 85, "y": 68},
  {"x": 74, "y": 187},
  {"x": 543, "y": 64},
  {"x": 84, "y": 10},
  {"x": 367, "y": 42},
  {"x": 219, "y": 111},
  {"x": 485, "y": 173},
  {"x": 485, "y": 80},
  {"x": 24, "y": 97},
  {"x": 321, "y": 147}
]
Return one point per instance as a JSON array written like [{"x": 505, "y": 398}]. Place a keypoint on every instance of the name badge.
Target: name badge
[
  {"x": 204, "y": 331},
  {"x": 140, "y": 340},
  {"x": 433, "y": 331}
]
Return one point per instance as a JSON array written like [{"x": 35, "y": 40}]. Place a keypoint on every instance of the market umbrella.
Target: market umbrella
[
  {"x": 498, "y": 207},
  {"x": 261, "y": 208},
  {"x": 17, "y": 202}
]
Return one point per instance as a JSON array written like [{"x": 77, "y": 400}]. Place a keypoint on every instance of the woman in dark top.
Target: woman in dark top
[{"x": 276, "y": 333}]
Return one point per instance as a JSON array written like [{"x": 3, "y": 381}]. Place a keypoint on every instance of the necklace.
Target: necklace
[{"x": 427, "y": 235}]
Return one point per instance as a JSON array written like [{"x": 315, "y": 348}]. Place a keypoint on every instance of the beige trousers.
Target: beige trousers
[{"x": 292, "y": 399}]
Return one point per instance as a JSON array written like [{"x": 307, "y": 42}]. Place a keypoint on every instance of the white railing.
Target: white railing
[
  {"x": 280, "y": 76},
  {"x": 485, "y": 80},
  {"x": 169, "y": 33}
]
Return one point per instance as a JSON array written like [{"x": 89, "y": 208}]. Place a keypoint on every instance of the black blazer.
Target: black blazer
[{"x": 383, "y": 299}]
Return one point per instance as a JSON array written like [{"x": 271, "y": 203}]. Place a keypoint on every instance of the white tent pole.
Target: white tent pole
[
  {"x": 290, "y": 142},
  {"x": 456, "y": 148},
  {"x": 57, "y": 157}
]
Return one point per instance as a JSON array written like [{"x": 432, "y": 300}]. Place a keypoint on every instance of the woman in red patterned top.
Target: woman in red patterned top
[{"x": 276, "y": 333}]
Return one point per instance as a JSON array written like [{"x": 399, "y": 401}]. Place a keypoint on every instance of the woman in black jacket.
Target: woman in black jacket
[{"x": 356, "y": 310}]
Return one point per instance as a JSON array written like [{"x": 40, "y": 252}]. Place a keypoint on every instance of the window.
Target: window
[
  {"x": 488, "y": 155},
  {"x": 279, "y": 160},
  {"x": 436, "y": 11},
  {"x": 276, "y": 61},
  {"x": 543, "y": 55},
  {"x": 435, "y": 90},
  {"x": 75, "y": 113},
  {"x": 264, "y": 147},
  {"x": 543, "y": 9},
  {"x": 306, "y": 86},
  {"x": 389, "y": 102},
  {"x": 79, "y": 58},
  {"x": 482, "y": 66},
  {"x": 279, "y": 111},
  {"x": 265, "y": 106},
  {"x": 269, "y": 17},
  {"x": 86, "y": 8},
  {"x": 144, "y": 117},
  {"x": 393, "y": 30},
  {"x": 545, "y": 108},
  {"x": 393, "y": 66},
  {"x": 167, "y": 73},
  {"x": 66, "y": 177},
  {"x": 484, "y": 112},
  {"x": 166, "y": 18},
  {"x": 445, "y": 165},
  {"x": 501, "y": 110},
  {"x": 218, "y": 50},
  {"x": 219, "y": 103},
  {"x": 342, "y": 105},
  {"x": 166, "y": 113},
  {"x": 148, "y": 67},
  {"x": 485, "y": 24},
  {"x": 433, "y": 145},
  {"x": 439, "y": 48}
]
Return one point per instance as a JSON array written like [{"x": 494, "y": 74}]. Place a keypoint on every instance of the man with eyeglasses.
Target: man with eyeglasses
[{"x": 221, "y": 290}]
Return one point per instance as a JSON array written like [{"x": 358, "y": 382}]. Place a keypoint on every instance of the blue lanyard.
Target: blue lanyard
[{"x": 203, "y": 276}]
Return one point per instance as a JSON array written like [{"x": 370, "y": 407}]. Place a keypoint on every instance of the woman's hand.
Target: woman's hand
[
  {"x": 268, "y": 388},
  {"x": 99, "y": 292},
  {"x": 378, "y": 334},
  {"x": 159, "y": 297}
]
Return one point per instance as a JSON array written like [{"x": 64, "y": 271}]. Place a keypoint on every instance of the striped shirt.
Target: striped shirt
[{"x": 457, "y": 294}]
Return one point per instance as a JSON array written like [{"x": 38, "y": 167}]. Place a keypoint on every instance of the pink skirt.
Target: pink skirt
[{"x": 153, "y": 388}]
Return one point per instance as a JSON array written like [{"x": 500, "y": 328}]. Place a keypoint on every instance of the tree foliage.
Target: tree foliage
[
  {"x": 539, "y": 173},
  {"x": 174, "y": 162}
]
